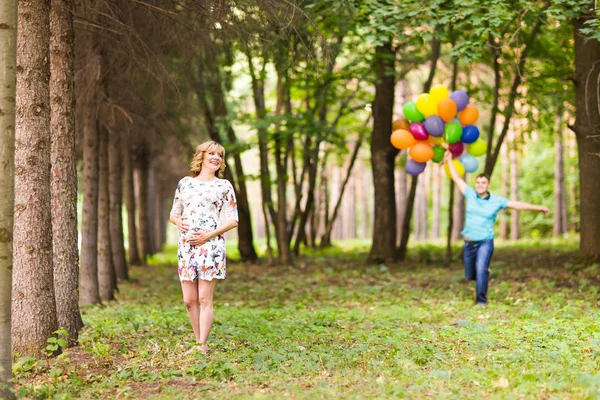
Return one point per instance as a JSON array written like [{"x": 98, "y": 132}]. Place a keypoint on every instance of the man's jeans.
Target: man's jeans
[{"x": 477, "y": 256}]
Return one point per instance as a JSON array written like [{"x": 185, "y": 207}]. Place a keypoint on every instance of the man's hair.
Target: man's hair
[{"x": 486, "y": 176}]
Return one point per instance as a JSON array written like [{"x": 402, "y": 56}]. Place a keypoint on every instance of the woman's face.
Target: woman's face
[{"x": 213, "y": 159}]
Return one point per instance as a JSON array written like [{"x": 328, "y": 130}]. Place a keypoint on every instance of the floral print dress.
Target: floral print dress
[{"x": 202, "y": 203}]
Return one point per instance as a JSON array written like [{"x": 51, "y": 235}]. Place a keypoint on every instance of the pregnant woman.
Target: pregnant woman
[{"x": 201, "y": 199}]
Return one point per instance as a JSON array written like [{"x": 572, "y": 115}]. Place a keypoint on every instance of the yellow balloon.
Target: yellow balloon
[
  {"x": 438, "y": 93},
  {"x": 426, "y": 105},
  {"x": 435, "y": 141},
  {"x": 459, "y": 168}
]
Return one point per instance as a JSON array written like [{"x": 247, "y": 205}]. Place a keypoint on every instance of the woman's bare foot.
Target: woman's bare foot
[
  {"x": 197, "y": 347},
  {"x": 203, "y": 349}
]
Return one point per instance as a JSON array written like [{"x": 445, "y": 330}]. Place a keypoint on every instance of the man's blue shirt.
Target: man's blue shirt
[{"x": 481, "y": 213}]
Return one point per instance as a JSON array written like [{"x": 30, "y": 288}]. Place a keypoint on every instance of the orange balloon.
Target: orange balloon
[
  {"x": 469, "y": 115},
  {"x": 447, "y": 110},
  {"x": 421, "y": 151},
  {"x": 402, "y": 139},
  {"x": 400, "y": 123}
]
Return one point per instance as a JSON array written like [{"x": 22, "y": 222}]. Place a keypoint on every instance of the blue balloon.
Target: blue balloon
[
  {"x": 414, "y": 168},
  {"x": 469, "y": 162},
  {"x": 460, "y": 98},
  {"x": 470, "y": 134},
  {"x": 434, "y": 125}
]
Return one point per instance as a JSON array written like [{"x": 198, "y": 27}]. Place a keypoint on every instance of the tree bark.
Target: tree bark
[
  {"x": 434, "y": 57},
  {"x": 33, "y": 304},
  {"x": 115, "y": 172},
  {"x": 504, "y": 230},
  {"x": 458, "y": 210},
  {"x": 8, "y": 54},
  {"x": 219, "y": 110},
  {"x": 514, "y": 188},
  {"x": 326, "y": 238},
  {"x": 587, "y": 129},
  {"x": 407, "y": 217},
  {"x": 383, "y": 153},
  {"x": 129, "y": 194},
  {"x": 365, "y": 186},
  {"x": 492, "y": 155},
  {"x": 437, "y": 201},
  {"x": 151, "y": 210},
  {"x": 106, "y": 269},
  {"x": 89, "y": 290},
  {"x": 448, "y": 254},
  {"x": 560, "y": 213},
  {"x": 64, "y": 169},
  {"x": 141, "y": 180}
]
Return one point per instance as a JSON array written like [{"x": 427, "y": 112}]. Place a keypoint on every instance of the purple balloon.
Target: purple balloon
[
  {"x": 434, "y": 125},
  {"x": 418, "y": 131},
  {"x": 470, "y": 134},
  {"x": 460, "y": 98},
  {"x": 414, "y": 168},
  {"x": 456, "y": 148}
]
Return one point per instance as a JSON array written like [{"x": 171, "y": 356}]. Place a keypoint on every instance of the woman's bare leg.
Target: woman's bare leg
[
  {"x": 206, "y": 290},
  {"x": 190, "y": 299}
]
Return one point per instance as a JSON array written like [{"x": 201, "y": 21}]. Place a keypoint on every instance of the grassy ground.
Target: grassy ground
[{"x": 333, "y": 327}]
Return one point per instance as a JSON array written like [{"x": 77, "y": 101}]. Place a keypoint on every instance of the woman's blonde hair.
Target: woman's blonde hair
[{"x": 201, "y": 150}]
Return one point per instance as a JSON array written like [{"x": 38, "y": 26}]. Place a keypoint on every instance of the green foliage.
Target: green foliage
[{"x": 334, "y": 328}]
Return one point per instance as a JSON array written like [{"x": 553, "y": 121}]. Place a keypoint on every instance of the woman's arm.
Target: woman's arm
[
  {"x": 200, "y": 238},
  {"x": 179, "y": 222},
  {"x": 522, "y": 206},
  {"x": 462, "y": 185}
]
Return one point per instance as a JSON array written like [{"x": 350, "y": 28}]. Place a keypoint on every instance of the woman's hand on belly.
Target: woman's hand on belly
[{"x": 200, "y": 238}]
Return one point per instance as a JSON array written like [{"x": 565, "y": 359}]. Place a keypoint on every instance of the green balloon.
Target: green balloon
[
  {"x": 452, "y": 132},
  {"x": 438, "y": 154},
  {"x": 477, "y": 148},
  {"x": 411, "y": 113}
]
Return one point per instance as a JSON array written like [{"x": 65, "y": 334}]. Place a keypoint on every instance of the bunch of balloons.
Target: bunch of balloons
[{"x": 437, "y": 121}]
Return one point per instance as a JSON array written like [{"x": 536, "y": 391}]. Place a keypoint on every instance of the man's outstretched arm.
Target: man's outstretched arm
[
  {"x": 462, "y": 185},
  {"x": 522, "y": 206}
]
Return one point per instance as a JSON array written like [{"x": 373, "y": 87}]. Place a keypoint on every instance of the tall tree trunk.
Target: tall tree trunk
[
  {"x": 587, "y": 129},
  {"x": 401, "y": 97},
  {"x": 514, "y": 188},
  {"x": 400, "y": 200},
  {"x": 573, "y": 198},
  {"x": 383, "y": 153},
  {"x": 150, "y": 204},
  {"x": 141, "y": 180},
  {"x": 64, "y": 168},
  {"x": 451, "y": 220},
  {"x": 158, "y": 216},
  {"x": 115, "y": 172},
  {"x": 420, "y": 227},
  {"x": 504, "y": 231},
  {"x": 281, "y": 219},
  {"x": 8, "y": 59},
  {"x": 448, "y": 254},
  {"x": 258, "y": 88},
  {"x": 560, "y": 212},
  {"x": 326, "y": 238},
  {"x": 433, "y": 60},
  {"x": 129, "y": 194},
  {"x": 33, "y": 303},
  {"x": 492, "y": 154},
  {"x": 459, "y": 213},
  {"x": 89, "y": 290},
  {"x": 106, "y": 269},
  {"x": 366, "y": 195},
  {"x": 437, "y": 201}
]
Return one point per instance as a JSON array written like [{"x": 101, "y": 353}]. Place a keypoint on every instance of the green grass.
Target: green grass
[{"x": 333, "y": 327}]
